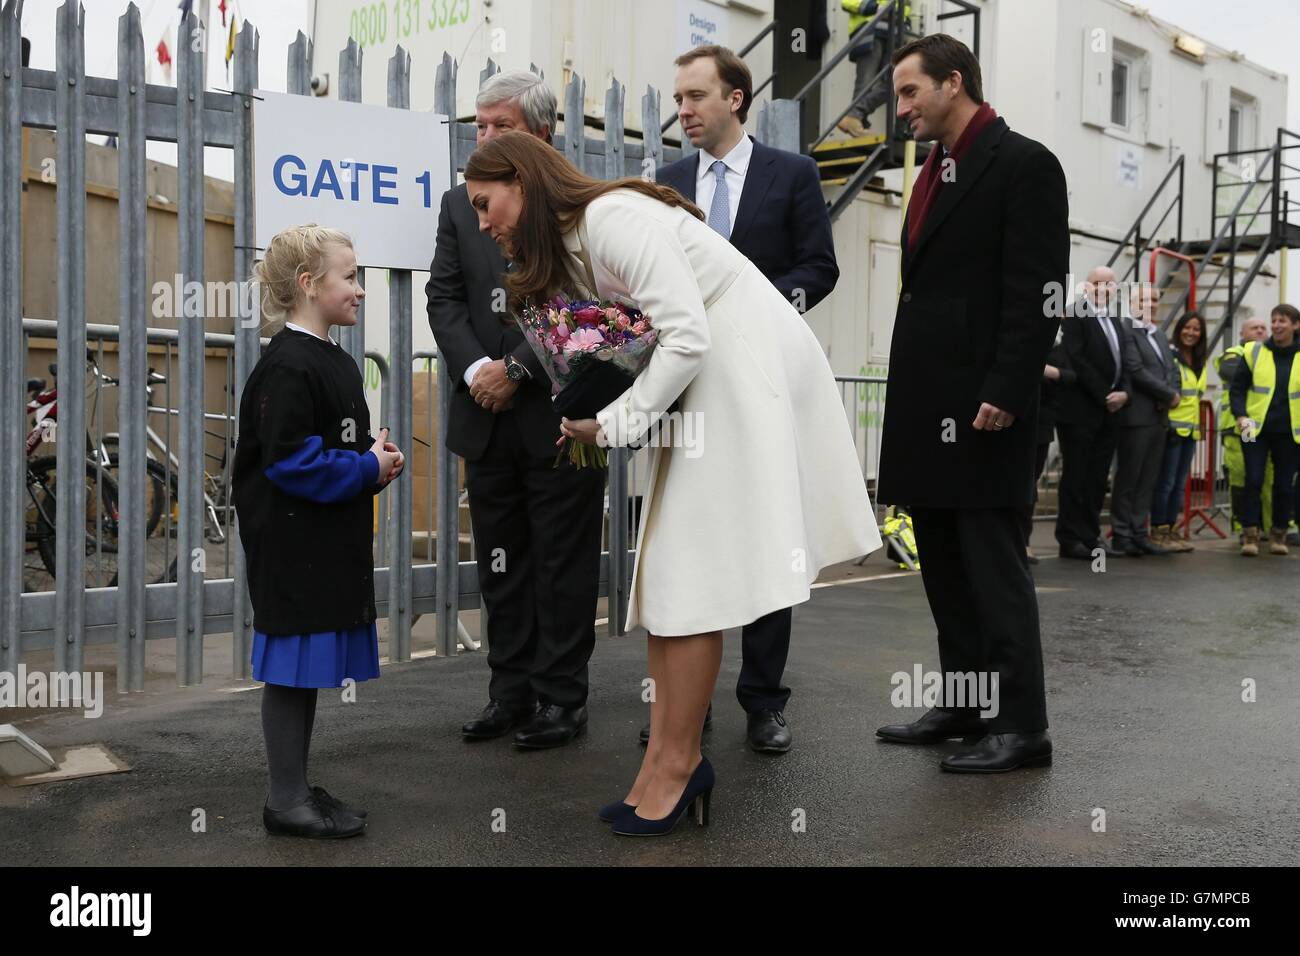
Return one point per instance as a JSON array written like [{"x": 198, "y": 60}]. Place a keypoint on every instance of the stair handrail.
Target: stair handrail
[
  {"x": 1158, "y": 251},
  {"x": 884, "y": 71},
  {"x": 885, "y": 8},
  {"x": 1176, "y": 167}
]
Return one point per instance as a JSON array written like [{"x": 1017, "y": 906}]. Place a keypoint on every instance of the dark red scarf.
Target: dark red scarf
[{"x": 926, "y": 188}]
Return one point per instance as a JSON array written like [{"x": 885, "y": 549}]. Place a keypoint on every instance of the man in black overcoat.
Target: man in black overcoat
[{"x": 985, "y": 261}]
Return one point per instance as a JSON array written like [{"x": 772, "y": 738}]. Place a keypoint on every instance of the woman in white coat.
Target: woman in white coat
[{"x": 754, "y": 482}]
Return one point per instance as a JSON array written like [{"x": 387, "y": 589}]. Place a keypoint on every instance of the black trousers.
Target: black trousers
[
  {"x": 537, "y": 539},
  {"x": 1281, "y": 447},
  {"x": 765, "y": 645},
  {"x": 1086, "y": 453},
  {"x": 1141, "y": 452},
  {"x": 977, "y": 581}
]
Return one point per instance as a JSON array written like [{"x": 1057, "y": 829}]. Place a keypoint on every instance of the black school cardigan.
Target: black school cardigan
[{"x": 310, "y": 567}]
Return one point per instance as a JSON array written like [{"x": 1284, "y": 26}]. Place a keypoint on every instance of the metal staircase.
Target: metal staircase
[
  {"x": 851, "y": 163},
  {"x": 1253, "y": 215}
]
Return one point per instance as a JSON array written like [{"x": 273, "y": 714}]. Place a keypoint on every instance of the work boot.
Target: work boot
[
  {"x": 852, "y": 125},
  {"x": 1160, "y": 535},
  {"x": 1250, "y": 543},
  {"x": 1174, "y": 541},
  {"x": 1277, "y": 541}
]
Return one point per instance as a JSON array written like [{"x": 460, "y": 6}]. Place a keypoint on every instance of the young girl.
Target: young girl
[{"x": 305, "y": 471}]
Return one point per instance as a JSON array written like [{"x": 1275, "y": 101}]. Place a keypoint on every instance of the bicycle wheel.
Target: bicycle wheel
[
  {"x": 155, "y": 489},
  {"x": 100, "y": 521}
]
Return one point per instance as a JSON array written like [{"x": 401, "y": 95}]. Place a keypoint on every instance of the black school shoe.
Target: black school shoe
[{"x": 312, "y": 821}]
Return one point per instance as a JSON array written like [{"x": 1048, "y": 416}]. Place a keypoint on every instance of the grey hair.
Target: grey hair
[{"x": 535, "y": 99}]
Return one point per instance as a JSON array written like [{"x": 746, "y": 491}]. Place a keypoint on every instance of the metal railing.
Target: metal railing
[{"x": 136, "y": 608}]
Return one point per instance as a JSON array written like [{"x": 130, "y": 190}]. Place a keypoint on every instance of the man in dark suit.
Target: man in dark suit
[
  {"x": 985, "y": 257},
  {"x": 536, "y": 527},
  {"x": 1143, "y": 424},
  {"x": 769, "y": 204},
  {"x": 1087, "y": 420}
]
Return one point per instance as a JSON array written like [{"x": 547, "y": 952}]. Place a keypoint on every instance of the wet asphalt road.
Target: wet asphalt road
[{"x": 1144, "y": 666}]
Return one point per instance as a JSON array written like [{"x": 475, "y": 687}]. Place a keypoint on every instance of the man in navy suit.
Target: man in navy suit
[{"x": 769, "y": 204}]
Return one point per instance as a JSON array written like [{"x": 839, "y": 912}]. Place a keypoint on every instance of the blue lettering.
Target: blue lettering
[
  {"x": 326, "y": 172},
  {"x": 298, "y": 179},
  {"x": 380, "y": 183},
  {"x": 357, "y": 170}
]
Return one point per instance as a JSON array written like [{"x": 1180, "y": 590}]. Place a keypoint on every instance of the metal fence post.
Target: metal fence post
[
  {"x": 132, "y": 349},
  {"x": 353, "y": 338},
  {"x": 248, "y": 342},
  {"x": 191, "y": 558},
  {"x": 616, "y": 590},
  {"x": 70, "y": 490},
  {"x": 12, "y": 346},
  {"x": 575, "y": 137},
  {"x": 447, "y": 521},
  {"x": 399, "y": 339}
]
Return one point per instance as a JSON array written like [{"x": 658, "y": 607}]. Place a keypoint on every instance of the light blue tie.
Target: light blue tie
[{"x": 720, "y": 210}]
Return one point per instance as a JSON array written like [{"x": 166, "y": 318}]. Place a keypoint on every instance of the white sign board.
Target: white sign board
[
  {"x": 377, "y": 174},
  {"x": 699, "y": 23},
  {"x": 1129, "y": 170}
]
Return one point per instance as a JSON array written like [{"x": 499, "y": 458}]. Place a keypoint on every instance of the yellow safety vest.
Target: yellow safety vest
[
  {"x": 1186, "y": 418},
  {"x": 1227, "y": 423},
  {"x": 1263, "y": 381},
  {"x": 856, "y": 19}
]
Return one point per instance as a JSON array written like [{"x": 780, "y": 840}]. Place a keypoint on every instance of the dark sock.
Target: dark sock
[{"x": 286, "y": 727}]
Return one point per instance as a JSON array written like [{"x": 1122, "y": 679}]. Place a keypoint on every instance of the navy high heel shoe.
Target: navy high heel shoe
[
  {"x": 697, "y": 793},
  {"x": 612, "y": 811}
]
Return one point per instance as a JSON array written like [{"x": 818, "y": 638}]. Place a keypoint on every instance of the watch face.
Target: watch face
[{"x": 514, "y": 371}]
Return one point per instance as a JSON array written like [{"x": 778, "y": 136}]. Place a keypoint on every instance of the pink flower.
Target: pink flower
[
  {"x": 639, "y": 327},
  {"x": 612, "y": 315},
  {"x": 584, "y": 340},
  {"x": 591, "y": 315},
  {"x": 560, "y": 332}
]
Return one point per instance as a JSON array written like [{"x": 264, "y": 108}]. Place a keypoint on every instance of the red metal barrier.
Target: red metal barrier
[{"x": 1198, "y": 495}]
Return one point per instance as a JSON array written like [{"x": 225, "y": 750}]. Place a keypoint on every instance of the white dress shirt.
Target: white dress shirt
[
  {"x": 299, "y": 328},
  {"x": 737, "y": 162}
]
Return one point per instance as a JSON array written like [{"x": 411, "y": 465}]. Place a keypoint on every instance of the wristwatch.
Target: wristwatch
[{"x": 515, "y": 370}]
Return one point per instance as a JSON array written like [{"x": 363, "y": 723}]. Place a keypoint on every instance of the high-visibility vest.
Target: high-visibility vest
[
  {"x": 1227, "y": 422},
  {"x": 1186, "y": 418},
  {"x": 1264, "y": 380},
  {"x": 857, "y": 19}
]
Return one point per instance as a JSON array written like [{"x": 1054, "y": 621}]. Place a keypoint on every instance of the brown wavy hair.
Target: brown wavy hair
[{"x": 555, "y": 195}]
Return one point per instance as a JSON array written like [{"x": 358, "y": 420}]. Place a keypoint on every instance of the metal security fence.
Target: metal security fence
[{"x": 134, "y": 606}]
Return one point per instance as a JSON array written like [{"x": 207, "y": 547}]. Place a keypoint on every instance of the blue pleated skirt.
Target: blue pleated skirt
[{"x": 325, "y": 659}]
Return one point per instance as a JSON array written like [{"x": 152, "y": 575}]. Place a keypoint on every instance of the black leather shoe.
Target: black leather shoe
[
  {"x": 1148, "y": 546},
  {"x": 1107, "y": 549},
  {"x": 328, "y": 802},
  {"x": 496, "y": 719},
  {"x": 998, "y": 753},
  {"x": 935, "y": 727},
  {"x": 311, "y": 820},
  {"x": 767, "y": 732},
  {"x": 1127, "y": 547},
  {"x": 551, "y": 726},
  {"x": 708, "y": 725},
  {"x": 1076, "y": 551}
]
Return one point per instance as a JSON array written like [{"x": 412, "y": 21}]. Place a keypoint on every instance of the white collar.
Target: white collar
[
  {"x": 737, "y": 160},
  {"x": 299, "y": 328}
]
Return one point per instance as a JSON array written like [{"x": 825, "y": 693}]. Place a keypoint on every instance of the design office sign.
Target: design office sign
[{"x": 376, "y": 173}]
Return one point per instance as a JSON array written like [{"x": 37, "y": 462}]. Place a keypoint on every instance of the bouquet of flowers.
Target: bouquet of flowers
[{"x": 591, "y": 350}]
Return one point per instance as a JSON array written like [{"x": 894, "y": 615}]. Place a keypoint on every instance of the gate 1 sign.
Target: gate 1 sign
[{"x": 376, "y": 173}]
